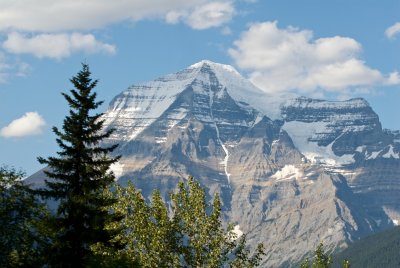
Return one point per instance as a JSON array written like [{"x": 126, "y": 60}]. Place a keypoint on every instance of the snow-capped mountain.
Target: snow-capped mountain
[
  {"x": 143, "y": 104},
  {"x": 290, "y": 172}
]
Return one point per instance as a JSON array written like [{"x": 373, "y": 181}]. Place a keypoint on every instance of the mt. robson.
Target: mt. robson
[{"x": 291, "y": 172}]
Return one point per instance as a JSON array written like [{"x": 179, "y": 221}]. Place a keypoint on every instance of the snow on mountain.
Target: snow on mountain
[
  {"x": 242, "y": 90},
  {"x": 117, "y": 168},
  {"x": 331, "y": 132},
  {"x": 315, "y": 104},
  {"x": 387, "y": 152},
  {"x": 390, "y": 153},
  {"x": 140, "y": 105},
  {"x": 290, "y": 172},
  {"x": 304, "y": 135},
  {"x": 137, "y": 107}
]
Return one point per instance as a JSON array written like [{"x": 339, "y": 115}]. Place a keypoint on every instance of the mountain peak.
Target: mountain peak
[
  {"x": 240, "y": 88},
  {"x": 145, "y": 102},
  {"x": 214, "y": 66},
  {"x": 209, "y": 121}
]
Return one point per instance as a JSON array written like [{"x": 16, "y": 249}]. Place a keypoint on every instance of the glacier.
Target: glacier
[{"x": 290, "y": 170}]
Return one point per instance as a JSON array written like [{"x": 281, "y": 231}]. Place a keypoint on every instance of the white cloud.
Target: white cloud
[
  {"x": 339, "y": 75},
  {"x": 284, "y": 60},
  {"x": 53, "y": 29},
  {"x": 29, "y": 124},
  {"x": 55, "y": 46},
  {"x": 67, "y": 15},
  {"x": 393, "y": 30},
  {"x": 210, "y": 15},
  {"x": 394, "y": 78}
]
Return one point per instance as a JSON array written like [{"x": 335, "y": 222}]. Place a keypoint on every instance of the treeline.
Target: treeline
[
  {"x": 94, "y": 226},
  {"x": 192, "y": 237},
  {"x": 378, "y": 250},
  {"x": 145, "y": 235}
]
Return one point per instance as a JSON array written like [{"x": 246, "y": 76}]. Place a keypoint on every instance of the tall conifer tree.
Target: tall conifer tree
[{"x": 78, "y": 177}]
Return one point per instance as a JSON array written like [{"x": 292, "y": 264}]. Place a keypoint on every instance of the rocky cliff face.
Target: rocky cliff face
[
  {"x": 290, "y": 174},
  {"x": 347, "y": 138}
]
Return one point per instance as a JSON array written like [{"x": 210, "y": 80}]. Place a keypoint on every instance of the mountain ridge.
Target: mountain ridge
[{"x": 290, "y": 173}]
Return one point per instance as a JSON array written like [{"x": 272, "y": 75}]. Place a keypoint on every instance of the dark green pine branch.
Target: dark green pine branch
[{"x": 78, "y": 177}]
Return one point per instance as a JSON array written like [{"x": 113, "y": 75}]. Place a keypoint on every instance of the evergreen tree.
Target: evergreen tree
[
  {"x": 78, "y": 177},
  {"x": 21, "y": 235}
]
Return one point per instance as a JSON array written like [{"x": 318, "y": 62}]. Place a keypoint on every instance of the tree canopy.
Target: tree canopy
[
  {"x": 22, "y": 235},
  {"x": 191, "y": 235},
  {"x": 78, "y": 177}
]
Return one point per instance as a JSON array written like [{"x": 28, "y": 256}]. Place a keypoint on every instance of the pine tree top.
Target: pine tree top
[{"x": 79, "y": 175}]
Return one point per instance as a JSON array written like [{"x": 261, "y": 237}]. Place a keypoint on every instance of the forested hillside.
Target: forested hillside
[{"x": 378, "y": 250}]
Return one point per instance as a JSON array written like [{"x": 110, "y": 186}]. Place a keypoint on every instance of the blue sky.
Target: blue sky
[{"x": 334, "y": 49}]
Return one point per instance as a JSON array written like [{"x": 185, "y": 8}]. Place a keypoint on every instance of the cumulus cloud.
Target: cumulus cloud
[
  {"x": 55, "y": 46},
  {"x": 283, "y": 60},
  {"x": 393, "y": 30},
  {"x": 29, "y": 124},
  {"x": 66, "y": 15},
  {"x": 205, "y": 16},
  {"x": 394, "y": 78},
  {"x": 55, "y": 27}
]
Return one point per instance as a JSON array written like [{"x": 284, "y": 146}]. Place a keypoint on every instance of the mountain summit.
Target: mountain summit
[
  {"x": 143, "y": 104},
  {"x": 291, "y": 173}
]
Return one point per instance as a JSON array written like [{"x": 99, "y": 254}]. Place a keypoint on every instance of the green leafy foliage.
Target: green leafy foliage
[
  {"x": 147, "y": 231},
  {"x": 200, "y": 233},
  {"x": 22, "y": 237},
  {"x": 321, "y": 259},
  {"x": 204, "y": 242},
  {"x": 79, "y": 176},
  {"x": 191, "y": 235}
]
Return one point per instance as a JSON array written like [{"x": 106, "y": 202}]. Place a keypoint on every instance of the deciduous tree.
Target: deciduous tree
[
  {"x": 191, "y": 235},
  {"x": 22, "y": 236}
]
